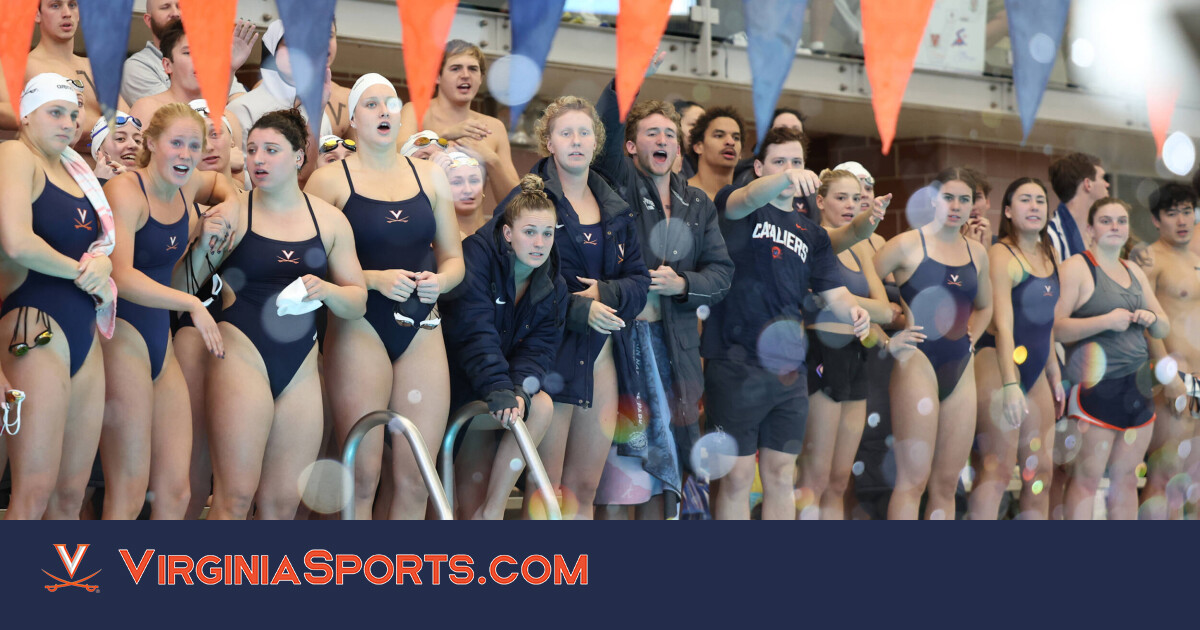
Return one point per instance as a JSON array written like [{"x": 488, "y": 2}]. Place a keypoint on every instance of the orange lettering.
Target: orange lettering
[
  {"x": 310, "y": 562},
  {"x": 136, "y": 570}
]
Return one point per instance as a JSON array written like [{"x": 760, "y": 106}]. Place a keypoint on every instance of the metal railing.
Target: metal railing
[
  {"x": 537, "y": 472},
  {"x": 396, "y": 423}
]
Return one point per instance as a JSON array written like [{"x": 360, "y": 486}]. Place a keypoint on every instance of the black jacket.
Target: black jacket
[
  {"x": 695, "y": 250},
  {"x": 622, "y": 285},
  {"x": 496, "y": 343}
]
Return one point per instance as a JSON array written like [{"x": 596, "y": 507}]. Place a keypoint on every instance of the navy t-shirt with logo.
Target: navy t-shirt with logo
[{"x": 777, "y": 256}]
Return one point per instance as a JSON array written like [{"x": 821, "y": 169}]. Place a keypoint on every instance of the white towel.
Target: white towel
[{"x": 291, "y": 300}]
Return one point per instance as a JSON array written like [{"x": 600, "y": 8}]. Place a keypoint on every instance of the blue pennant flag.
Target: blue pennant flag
[
  {"x": 534, "y": 23},
  {"x": 1035, "y": 28},
  {"x": 307, "y": 25},
  {"x": 105, "y": 26},
  {"x": 773, "y": 30}
]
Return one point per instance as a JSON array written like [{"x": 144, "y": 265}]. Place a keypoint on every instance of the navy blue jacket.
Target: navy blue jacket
[
  {"x": 494, "y": 341},
  {"x": 691, "y": 244},
  {"x": 623, "y": 284}
]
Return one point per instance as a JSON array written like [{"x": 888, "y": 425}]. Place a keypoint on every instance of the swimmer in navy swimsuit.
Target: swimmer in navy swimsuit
[
  {"x": 837, "y": 361},
  {"x": 1014, "y": 358},
  {"x": 408, "y": 243},
  {"x": 147, "y": 435},
  {"x": 932, "y": 387},
  {"x": 264, "y": 397},
  {"x": 45, "y": 280}
]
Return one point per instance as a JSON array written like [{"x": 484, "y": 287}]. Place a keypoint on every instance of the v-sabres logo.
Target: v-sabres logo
[
  {"x": 71, "y": 563},
  {"x": 396, "y": 216},
  {"x": 954, "y": 281},
  {"x": 287, "y": 257},
  {"x": 82, "y": 223}
]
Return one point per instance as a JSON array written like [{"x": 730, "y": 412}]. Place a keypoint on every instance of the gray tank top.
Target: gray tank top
[{"x": 1125, "y": 352}]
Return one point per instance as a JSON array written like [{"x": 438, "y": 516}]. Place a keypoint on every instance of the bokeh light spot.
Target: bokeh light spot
[
  {"x": 1020, "y": 354},
  {"x": 1166, "y": 369},
  {"x": 925, "y": 406},
  {"x": 514, "y": 79},
  {"x": 1037, "y": 487},
  {"x": 713, "y": 455},
  {"x": 323, "y": 485},
  {"x": 1179, "y": 154},
  {"x": 1082, "y": 53},
  {"x": 873, "y": 420},
  {"x": 1042, "y": 48}
]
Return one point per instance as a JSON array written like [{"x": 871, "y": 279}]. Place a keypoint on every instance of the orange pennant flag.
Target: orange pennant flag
[
  {"x": 425, "y": 27},
  {"x": 1160, "y": 104},
  {"x": 16, "y": 35},
  {"x": 640, "y": 27},
  {"x": 209, "y": 24},
  {"x": 892, "y": 32}
]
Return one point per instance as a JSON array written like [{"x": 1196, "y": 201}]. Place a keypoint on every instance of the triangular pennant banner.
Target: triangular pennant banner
[
  {"x": 306, "y": 27},
  {"x": 425, "y": 27},
  {"x": 105, "y": 26},
  {"x": 1160, "y": 104},
  {"x": 640, "y": 27},
  {"x": 212, "y": 22},
  {"x": 892, "y": 32},
  {"x": 773, "y": 29},
  {"x": 534, "y": 23},
  {"x": 1036, "y": 29},
  {"x": 16, "y": 34}
]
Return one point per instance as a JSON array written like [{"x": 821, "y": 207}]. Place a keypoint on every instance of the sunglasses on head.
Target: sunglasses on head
[
  {"x": 332, "y": 144},
  {"x": 423, "y": 141},
  {"x": 76, "y": 83}
]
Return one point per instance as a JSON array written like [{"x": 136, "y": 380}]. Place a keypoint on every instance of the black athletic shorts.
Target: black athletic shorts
[
  {"x": 836, "y": 366},
  {"x": 756, "y": 407}
]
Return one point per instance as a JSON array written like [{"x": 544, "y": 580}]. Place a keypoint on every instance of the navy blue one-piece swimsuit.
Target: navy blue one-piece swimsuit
[
  {"x": 947, "y": 344},
  {"x": 393, "y": 235},
  {"x": 257, "y": 272},
  {"x": 1033, "y": 302},
  {"x": 69, "y": 225},
  {"x": 156, "y": 250}
]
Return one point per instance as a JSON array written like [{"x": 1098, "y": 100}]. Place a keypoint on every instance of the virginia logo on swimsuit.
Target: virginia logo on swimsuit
[
  {"x": 396, "y": 218},
  {"x": 173, "y": 245},
  {"x": 953, "y": 281},
  {"x": 1049, "y": 291},
  {"x": 71, "y": 563},
  {"x": 287, "y": 257},
  {"x": 83, "y": 222},
  {"x": 587, "y": 236},
  {"x": 621, "y": 256}
]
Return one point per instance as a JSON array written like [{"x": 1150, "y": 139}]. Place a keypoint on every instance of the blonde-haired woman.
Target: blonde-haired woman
[
  {"x": 602, "y": 264},
  {"x": 147, "y": 437}
]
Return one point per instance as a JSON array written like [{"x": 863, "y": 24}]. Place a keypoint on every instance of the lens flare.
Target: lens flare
[
  {"x": 713, "y": 455},
  {"x": 514, "y": 79},
  {"x": 1166, "y": 370},
  {"x": 323, "y": 485}
]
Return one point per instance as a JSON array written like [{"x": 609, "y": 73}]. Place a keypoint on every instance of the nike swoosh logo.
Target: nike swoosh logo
[
  {"x": 560, "y": 226},
  {"x": 499, "y": 301}
]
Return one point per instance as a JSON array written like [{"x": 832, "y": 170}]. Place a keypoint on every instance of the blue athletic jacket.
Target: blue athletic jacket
[
  {"x": 623, "y": 285},
  {"x": 495, "y": 342}
]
